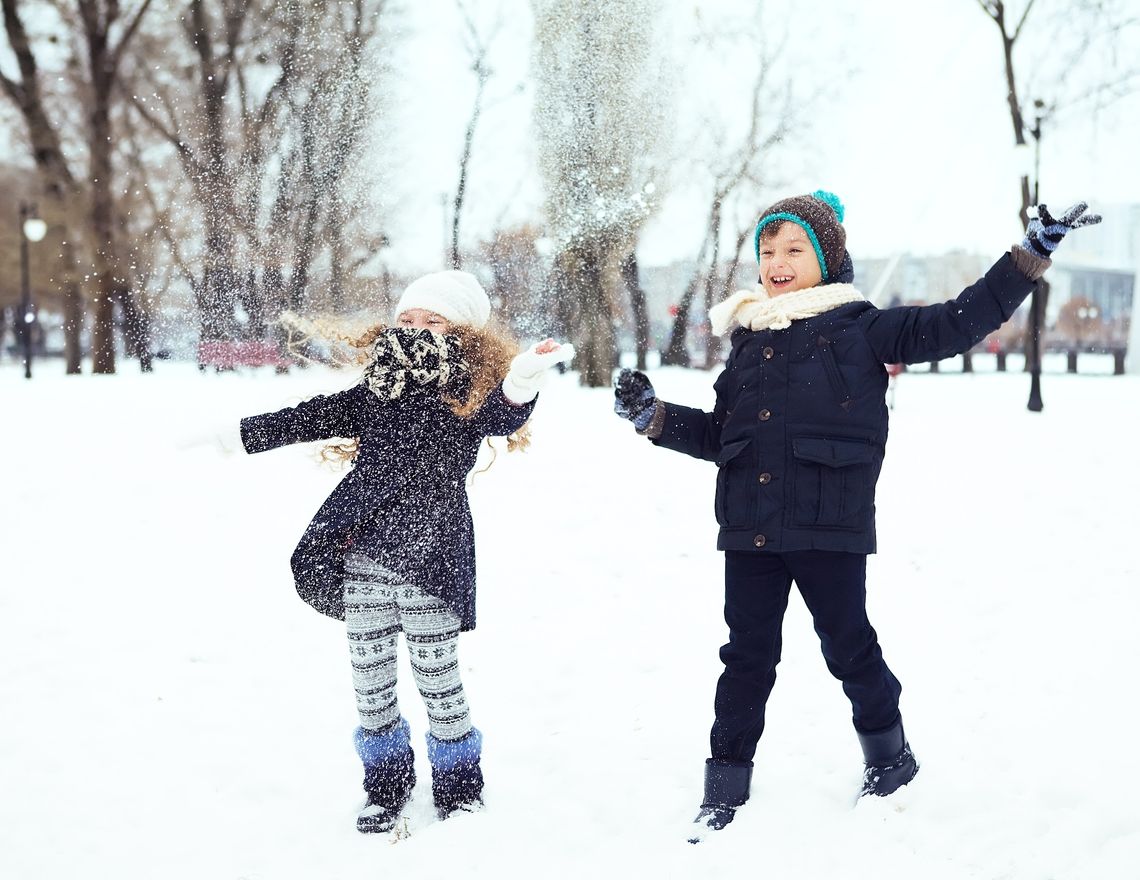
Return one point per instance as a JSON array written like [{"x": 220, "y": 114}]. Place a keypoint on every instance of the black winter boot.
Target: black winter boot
[
  {"x": 389, "y": 776},
  {"x": 726, "y": 787},
  {"x": 889, "y": 762},
  {"x": 456, "y": 777}
]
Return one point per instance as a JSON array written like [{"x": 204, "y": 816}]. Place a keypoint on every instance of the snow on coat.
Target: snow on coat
[{"x": 404, "y": 501}]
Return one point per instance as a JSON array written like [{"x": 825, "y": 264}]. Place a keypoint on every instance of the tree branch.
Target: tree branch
[
  {"x": 1022, "y": 20},
  {"x": 116, "y": 54}
]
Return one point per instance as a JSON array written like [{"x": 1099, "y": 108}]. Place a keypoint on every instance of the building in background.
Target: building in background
[{"x": 1094, "y": 284}]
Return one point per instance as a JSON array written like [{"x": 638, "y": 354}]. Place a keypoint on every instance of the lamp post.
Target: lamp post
[
  {"x": 32, "y": 228},
  {"x": 1040, "y": 290}
]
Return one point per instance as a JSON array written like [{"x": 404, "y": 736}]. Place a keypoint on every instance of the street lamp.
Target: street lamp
[
  {"x": 1086, "y": 316},
  {"x": 32, "y": 228},
  {"x": 1040, "y": 290}
]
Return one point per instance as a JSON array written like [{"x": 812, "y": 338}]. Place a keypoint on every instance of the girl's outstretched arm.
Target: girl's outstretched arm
[
  {"x": 509, "y": 406},
  {"x": 531, "y": 368},
  {"x": 322, "y": 417}
]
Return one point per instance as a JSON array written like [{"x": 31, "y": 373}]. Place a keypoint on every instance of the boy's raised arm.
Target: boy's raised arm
[{"x": 914, "y": 334}]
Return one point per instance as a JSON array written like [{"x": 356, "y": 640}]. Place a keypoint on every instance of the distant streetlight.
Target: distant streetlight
[{"x": 32, "y": 228}]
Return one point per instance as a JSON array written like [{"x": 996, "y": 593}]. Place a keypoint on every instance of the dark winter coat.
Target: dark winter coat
[
  {"x": 799, "y": 428},
  {"x": 404, "y": 502}
]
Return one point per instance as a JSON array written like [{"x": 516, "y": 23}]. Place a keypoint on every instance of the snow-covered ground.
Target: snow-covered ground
[{"x": 169, "y": 709}]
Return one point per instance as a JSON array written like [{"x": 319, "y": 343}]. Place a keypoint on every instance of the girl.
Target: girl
[
  {"x": 392, "y": 548},
  {"x": 798, "y": 434}
]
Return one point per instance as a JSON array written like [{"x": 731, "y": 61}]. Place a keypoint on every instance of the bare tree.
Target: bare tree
[
  {"x": 270, "y": 145},
  {"x": 478, "y": 46},
  {"x": 739, "y": 167},
  {"x": 63, "y": 195},
  {"x": 598, "y": 113},
  {"x": 1060, "y": 85},
  {"x": 107, "y": 31}
]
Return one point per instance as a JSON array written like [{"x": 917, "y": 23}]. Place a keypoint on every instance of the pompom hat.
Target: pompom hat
[
  {"x": 820, "y": 214},
  {"x": 454, "y": 295}
]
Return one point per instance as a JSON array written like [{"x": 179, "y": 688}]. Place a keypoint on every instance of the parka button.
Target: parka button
[
  {"x": 765, "y": 415},
  {"x": 765, "y": 477},
  {"x": 759, "y": 540},
  {"x": 768, "y": 352}
]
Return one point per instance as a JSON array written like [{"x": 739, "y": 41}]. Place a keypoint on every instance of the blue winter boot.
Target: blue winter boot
[
  {"x": 389, "y": 775},
  {"x": 456, "y": 777},
  {"x": 889, "y": 764}
]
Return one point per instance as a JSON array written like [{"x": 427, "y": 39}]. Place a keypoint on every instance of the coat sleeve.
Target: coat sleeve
[
  {"x": 498, "y": 417},
  {"x": 694, "y": 431},
  {"x": 322, "y": 417},
  {"x": 914, "y": 334}
]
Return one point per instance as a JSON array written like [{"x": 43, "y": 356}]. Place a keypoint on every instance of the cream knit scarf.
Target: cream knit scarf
[
  {"x": 756, "y": 310},
  {"x": 405, "y": 358}
]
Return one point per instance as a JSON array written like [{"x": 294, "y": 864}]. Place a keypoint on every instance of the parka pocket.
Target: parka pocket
[
  {"x": 834, "y": 374},
  {"x": 732, "y": 497},
  {"x": 834, "y": 482}
]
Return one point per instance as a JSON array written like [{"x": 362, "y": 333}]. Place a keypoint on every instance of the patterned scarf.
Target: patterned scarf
[
  {"x": 756, "y": 310},
  {"x": 403, "y": 357}
]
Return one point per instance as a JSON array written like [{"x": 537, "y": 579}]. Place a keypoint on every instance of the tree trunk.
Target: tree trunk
[
  {"x": 72, "y": 307},
  {"x": 593, "y": 323},
  {"x": 102, "y": 229},
  {"x": 631, "y": 276},
  {"x": 136, "y": 328},
  {"x": 676, "y": 353}
]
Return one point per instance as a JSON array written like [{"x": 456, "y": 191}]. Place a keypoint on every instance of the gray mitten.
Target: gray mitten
[
  {"x": 634, "y": 398},
  {"x": 1045, "y": 233}
]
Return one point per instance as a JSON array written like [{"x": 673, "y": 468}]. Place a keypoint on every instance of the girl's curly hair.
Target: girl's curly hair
[{"x": 488, "y": 353}]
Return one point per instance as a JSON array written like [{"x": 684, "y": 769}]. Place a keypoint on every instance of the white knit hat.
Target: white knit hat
[{"x": 457, "y": 296}]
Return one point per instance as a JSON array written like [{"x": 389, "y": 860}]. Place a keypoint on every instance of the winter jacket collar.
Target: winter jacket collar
[{"x": 756, "y": 310}]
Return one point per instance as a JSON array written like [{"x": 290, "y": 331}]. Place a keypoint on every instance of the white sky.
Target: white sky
[{"x": 916, "y": 140}]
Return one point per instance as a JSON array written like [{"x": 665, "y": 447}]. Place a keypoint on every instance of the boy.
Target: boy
[{"x": 798, "y": 434}]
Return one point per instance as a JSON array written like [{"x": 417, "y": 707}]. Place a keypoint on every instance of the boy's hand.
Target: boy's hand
[
  {"x": 634, "y": 398},
  {"x": 530, "y": 368},
  {"x": 1044, "y": 232}
]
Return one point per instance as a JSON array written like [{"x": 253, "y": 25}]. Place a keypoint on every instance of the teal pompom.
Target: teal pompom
[{"x": 832, "y": 200}]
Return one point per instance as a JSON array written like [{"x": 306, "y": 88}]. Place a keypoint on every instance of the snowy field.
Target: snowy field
[{"x": 171, "y": 710}]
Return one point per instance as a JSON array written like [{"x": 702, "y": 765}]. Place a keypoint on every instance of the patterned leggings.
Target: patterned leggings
[{"x": 377, "y": 607}]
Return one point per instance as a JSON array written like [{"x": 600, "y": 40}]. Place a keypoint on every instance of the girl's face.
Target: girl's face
[
  {"x": 422, "y": 319},
  {"x": 788, "y": 261}
]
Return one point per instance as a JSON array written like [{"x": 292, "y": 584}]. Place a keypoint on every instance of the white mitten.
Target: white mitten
[{"x": 529, "y": 371}]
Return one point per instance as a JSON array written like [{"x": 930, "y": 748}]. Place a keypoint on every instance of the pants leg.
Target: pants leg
[
  {"x": 834, "y": 587},
  {"x": 432, "y": 633},
  {"x": 756, "y": 587},
  {"x": 372, "y": 621}
]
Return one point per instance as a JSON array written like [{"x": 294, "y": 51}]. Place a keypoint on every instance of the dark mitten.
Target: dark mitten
[
  {"x": 1045, "y": 233},
  {"x": 634, "y": 398}
]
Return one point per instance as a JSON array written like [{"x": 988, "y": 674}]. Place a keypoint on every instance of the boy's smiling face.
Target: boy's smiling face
[{"x": 787, "y": 260}]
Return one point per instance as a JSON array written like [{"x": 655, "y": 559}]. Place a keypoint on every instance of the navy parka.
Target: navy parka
[
  {"x": 404, "y": 501},
  {"x": 799, "y": 427}
]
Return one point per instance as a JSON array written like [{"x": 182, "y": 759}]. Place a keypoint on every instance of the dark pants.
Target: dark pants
[{"x": 756, "y": 587}]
